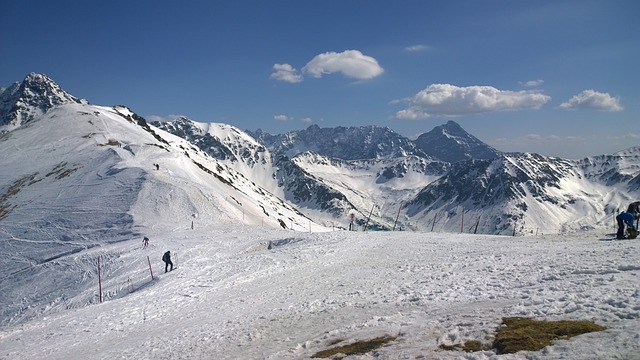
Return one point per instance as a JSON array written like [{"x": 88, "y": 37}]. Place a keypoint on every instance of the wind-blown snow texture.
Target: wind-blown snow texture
[{"x": 79, "y": 184}]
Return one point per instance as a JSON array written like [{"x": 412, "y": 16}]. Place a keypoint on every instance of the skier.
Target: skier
[
  {"x": 626, "y": 218},
  {"x": 167, "y": 261},
  {"x": 145, "y": 241},
  {"x": 634, "y": 208}
]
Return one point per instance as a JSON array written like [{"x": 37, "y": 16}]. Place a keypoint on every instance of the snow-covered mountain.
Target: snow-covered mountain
[
  {"x": 525, "y": 193},
  {"x": 77, "y": 177},
  {"x": 347, "y": 143},
  {"x": 384, "y": 179},
  {"x": 24, "y": 101},
  {"x": 81, "y": 182},
  {"x": 497, "y": 192},
  {"x": 302, "y": 168}
]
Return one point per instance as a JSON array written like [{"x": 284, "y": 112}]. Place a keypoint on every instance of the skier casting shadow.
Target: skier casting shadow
[{"x": 167, "y": 261}]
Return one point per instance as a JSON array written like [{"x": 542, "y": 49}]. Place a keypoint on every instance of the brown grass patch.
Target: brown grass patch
[
  {"x": 358, "y": 347},
  {"x": 524, "y": 334},
  {"x": 533, "y": 335}
]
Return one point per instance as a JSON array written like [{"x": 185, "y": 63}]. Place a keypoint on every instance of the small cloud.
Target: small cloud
[
  {"x": 287, "y": 73},
  {"x": 569, "y": 146},
  {"x": 532, "y": 83},
  {"x": 417, "y": 48},
  {"x": 451, "y": 100},
  {"x": 306, "y": 120},
  {"x": 281, "y": 118},
  {"x": 533, "y": 136},
  {"x": 592, "y": 100},
  {"x": 351, "y": 63},
  {"x": 627, "y": 136},
  {"x": 540, "y": 139}
]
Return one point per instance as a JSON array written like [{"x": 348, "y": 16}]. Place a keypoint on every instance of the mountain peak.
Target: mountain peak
[
  {"x": 452, "y": 126},
  {"x": 347, "y": 143},
  {"x": 451, "y": 143},
  {"x": 24, "y": 101},
  {"x": 36, "y": 77}
]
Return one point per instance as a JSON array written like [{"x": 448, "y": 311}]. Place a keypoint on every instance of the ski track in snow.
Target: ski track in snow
[{"x": 248, "y": 293}]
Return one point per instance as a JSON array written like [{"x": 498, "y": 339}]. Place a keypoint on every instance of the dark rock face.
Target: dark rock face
[
  {"x": 451, "y": 143},
  {"x": 23, "y": 101}
]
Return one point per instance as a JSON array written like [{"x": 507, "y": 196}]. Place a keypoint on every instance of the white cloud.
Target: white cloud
[
  {"x": 286, "y": 72},
  {"x": 280, "y": 117},
  {"x": 417, "y": 48},
  {"x": 451, "y": 100},
  {"x": 627, "y": 136},
  {"x": 533, "y": 83},
  {"x": 548, "y": 138},
  {"x": 306, "y": 120},
  {"x": 351, "y": 63},
  {"x": 593, "y": 100}
]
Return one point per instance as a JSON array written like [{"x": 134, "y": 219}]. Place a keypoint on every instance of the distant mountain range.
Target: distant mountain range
[{"x": 445, "y": 180}]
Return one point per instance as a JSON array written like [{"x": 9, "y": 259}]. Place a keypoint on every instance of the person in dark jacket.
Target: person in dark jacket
[
  {"x": 634, "y": 208},
  {"x": 625, "y": 218},
  {"x": 167, "y": 261}
]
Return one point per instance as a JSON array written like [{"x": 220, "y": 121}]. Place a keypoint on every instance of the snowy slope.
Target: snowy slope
[
  {"x": 247, "y": 293},
  {"x": 230, "y": 145},
  {"x": 527, "y": 193},
  {"x": 376, "y": 187},
  {"x": 329, "y": 174},
  {"x": 82, "y": 176},
  {"x": 324, "y": 188}
]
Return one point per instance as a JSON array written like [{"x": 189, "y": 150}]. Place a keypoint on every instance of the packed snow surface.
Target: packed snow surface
[{"x": 254, "y": 293}]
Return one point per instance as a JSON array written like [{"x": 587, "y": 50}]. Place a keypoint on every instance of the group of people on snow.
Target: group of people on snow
[
  {"x": 168, "y": 264},
  {"x": 626, "y": 219}
]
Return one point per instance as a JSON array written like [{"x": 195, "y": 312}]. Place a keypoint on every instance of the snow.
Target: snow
[
  {"x": 254, "y": 293},
  {"x": 243, "y": 287}
]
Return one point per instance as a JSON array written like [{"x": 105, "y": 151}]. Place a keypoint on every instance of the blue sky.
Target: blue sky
[{"x": 554, "y": 77}]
